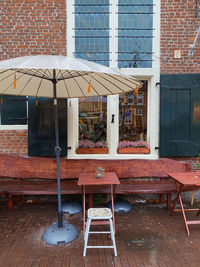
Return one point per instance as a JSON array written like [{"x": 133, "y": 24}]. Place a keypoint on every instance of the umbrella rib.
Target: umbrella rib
[
  {"x": 71, "y": 74},
  {"x": 62, "y": 75},
  {"x": 34, "y": 73},
  {"x": 31, "y": 77},
  {"x": 40, "y": 83},
  {"x": 82, "y": 76},
  {"x": 65, "y": 84},
  {"x": 47, "y": 72},
  {"x": 100, "y": 83},
  {"x": 126, "y": 79},
  {"x": 76, "y": 82},
  {"x": 8, "y": 75},
  {"x": 113, "y": 83},
  {"x": 13, "y": 82}
]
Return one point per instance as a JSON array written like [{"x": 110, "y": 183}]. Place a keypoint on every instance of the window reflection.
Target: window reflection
[
  {"x": 135, "y": 34},
  {"x": 92, "y": 30},
  {"x": 92, "y": 119},
  {"x": 133, "y": 115}
]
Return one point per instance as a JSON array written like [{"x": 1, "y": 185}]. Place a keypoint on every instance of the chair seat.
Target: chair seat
[{"x": 99, "y": 213}]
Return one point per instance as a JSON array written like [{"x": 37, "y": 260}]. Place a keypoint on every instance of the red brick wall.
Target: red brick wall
[
  {"x": 178, "y": 30},
  {"x": 192, "y": 161},
  {"x": 14, "y": 142},
  {"x": 32, "y": 27}
]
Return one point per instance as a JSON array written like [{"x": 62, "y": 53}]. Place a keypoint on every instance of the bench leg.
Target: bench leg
[
  {"x": 10, "y": 202},
  {"x": 19, "y": 198},
  {"x": 169, "y": 201},
  {"x": 161, "y": 199}
]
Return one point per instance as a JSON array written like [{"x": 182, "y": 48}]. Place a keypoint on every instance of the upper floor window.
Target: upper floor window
[
  {"x": 92, "y": 30},
  {"x": 135, "y": 33}
]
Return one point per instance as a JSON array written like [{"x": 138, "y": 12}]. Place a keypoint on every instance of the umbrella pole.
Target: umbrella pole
[
  {"x": 57, "y": 152},
  {"x": 61, "y": 232}
]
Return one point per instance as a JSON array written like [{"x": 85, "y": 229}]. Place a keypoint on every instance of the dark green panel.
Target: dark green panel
[
  {"x": 195, "y": 120},
  {"x": 14, "y": 110},
  {"x": 179, "y": 124},
  {"x": 183, "y": 114},
  {"x": 41, "y": 127}
]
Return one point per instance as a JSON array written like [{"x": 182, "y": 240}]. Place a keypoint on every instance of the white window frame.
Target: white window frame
[{"x": 152, "y": 75}]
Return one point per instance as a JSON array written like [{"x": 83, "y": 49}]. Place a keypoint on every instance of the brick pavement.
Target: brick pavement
[{"x": 145, "y": 236}]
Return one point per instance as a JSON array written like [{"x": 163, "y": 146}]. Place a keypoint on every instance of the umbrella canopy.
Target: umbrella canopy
[
  {"x": 32, "y": 76},
  {"x": 60, "y": 77}
]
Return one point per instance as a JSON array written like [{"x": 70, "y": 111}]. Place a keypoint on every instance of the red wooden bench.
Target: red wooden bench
[{"x": 37, "y": 176}]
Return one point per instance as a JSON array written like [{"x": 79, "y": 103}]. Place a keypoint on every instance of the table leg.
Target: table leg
[
  {"x": 178, "y": 197},
  {"x": 83, "y": 196},
  {"x": 178, "y": 190},
  {"x": 183, "y": 212},
  {"x": 112, "y": 189}
]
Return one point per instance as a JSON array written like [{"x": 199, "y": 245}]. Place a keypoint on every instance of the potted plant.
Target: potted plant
[
  {"x": 133, "y": 147},
  {"x": 89, "y": 147}
]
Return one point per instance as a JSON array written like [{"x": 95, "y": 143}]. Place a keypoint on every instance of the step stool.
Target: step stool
[{"x": 99, "y": 214}]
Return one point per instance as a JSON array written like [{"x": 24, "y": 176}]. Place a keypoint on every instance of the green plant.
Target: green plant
[{"x": 198, "y": 164}]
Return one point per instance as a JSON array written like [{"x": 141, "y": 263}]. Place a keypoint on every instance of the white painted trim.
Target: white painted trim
[
  {"x": 112, "y": 128},
  {"x": 73, "y": 127},
  {"x": 70, "y": 43},
  {"x": 13, "y": 127},
  {"x": 113, "y": 41}
]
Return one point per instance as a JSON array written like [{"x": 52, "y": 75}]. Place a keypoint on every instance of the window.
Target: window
[
  {"x": 135, "y": 33},
  {"x": 134, "y": 24},
  {"x": 13, "y": 110},
  {"x": 92, "y": 30},
  {"x": 93, "y": 121},
  {"x": 121, "y": 34},
  {"x": 133, "y": 115}
]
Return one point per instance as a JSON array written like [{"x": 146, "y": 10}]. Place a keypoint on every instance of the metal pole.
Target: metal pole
[{"x": 57, "y": 151}]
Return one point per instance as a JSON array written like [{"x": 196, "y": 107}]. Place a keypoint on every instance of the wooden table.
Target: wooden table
[
  {"x": 185, "y": 180},
  {"x": 89, "y": 179}
]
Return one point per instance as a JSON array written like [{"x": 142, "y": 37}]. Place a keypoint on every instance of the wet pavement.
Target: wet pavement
[{"x": 146, "y": 236}]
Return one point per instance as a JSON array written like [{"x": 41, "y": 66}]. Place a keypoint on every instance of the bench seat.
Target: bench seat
[{"x": 37, "y": 176}]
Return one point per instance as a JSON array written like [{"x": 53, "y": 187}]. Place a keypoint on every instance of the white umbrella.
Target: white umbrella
[
  {"x": 60, "y": 77},
  {"x": 32, "y": 76}
]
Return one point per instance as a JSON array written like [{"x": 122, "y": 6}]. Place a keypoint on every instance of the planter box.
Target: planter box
[
  {"x": 94, "y": 150},
  {"x": 133, "y": 150}
]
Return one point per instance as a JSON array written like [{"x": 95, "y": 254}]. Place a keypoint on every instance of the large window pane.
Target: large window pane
[
  {"x": 92, "y": 30},
  {"x": 92, "y": 121},
  {"x": 135, "y": 33},
  {"x": 133, "y": 115}
]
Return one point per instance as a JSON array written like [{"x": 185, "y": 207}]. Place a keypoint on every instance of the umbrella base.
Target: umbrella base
[
  {"x": 71, "y": 207},
  {"x": 120, "y": 205},
  {"x": 55, "y": 236}
]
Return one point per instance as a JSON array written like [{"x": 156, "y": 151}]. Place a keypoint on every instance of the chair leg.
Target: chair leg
[
  {"x": 86, "y": 236},
  {"x": 10, "y": 202},
  {"x": 113, "y": 237}
]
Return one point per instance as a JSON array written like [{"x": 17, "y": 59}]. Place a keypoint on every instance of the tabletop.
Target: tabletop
[
  {"x": 186, "y": 178},
  {"x": 90, "y": 179}
]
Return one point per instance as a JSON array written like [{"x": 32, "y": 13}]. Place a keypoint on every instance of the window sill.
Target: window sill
[
  {"x": 94, "y": 150},
  {"x": 133, "y": 150}
]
